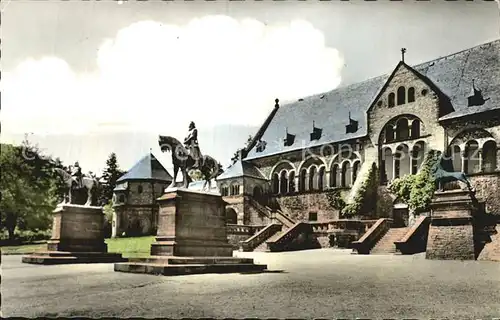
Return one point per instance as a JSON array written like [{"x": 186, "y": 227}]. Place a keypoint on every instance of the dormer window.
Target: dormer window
[
  {"x": 261, "y": 146},
  {"x": 289, "y": 139},
  {"x": 316, "y": 133},
  {"x": 352, "y": 127},
  {"x": 475, "y": 97}
]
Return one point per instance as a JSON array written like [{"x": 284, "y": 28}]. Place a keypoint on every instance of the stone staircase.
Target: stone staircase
[
  {"x": 491, "y": 250},
  {"x": 263, "y": 246},
  {"x": 386, "y": 244}
]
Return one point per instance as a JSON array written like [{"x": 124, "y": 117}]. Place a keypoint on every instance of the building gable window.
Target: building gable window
[
  {"x": 391, "y": 99},
  {"x": 411, "y": 94},
  {"x": 401, "y": 95},
  {"x": 313, "y": 216}
]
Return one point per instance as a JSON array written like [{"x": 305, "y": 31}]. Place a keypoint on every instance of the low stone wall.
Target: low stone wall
[
  {"x": 298, "y": 206},
  {"x": 451, "y": 239},
  {"x": 488, "y": 189}
]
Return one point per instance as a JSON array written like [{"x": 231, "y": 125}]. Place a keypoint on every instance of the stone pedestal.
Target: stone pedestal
[
  {"x": 77, "y": 237},
  {"x": 451, "y": 233},
  {"x": 191, "y": 238}
]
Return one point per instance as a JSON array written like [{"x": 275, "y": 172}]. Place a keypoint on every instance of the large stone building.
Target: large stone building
[
  {"x": 323, "y": 144},
  {"x": 134, "y": 198}
]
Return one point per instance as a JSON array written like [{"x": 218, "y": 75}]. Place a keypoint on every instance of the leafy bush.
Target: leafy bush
[
  {"x": 335, "y": 199},
  {"x": 365, "y": 199},
  {"x": 417, "y": 190}
]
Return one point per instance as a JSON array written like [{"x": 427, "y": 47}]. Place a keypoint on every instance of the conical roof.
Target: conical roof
[{"x": 148, "y": 168}]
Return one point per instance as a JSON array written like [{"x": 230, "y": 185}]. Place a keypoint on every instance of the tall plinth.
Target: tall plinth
[
  {"x": 191, "y": 238},
  {"x": 451, "y": 233},
  {"x": 77, "y": 237}
]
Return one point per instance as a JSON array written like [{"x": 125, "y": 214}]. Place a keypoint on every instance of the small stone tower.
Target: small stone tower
[{"x": 134, "y": 198}]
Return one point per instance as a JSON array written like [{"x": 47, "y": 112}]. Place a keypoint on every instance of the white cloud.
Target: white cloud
[{"x": 157, "y": 77}]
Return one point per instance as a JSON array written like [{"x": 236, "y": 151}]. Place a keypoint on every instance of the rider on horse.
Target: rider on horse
[
  {"x": 191, "y": 143},
  {"x": 76, "y": 172}
]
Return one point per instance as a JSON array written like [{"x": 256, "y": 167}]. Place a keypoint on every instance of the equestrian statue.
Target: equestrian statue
[
  {"x": 443, "y": 176},
  {"x": 187, "y": 156},
  {"x": 77, "y": 183}
]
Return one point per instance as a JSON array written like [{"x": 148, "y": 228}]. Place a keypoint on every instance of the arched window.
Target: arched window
[
  {"x": 387, "y": 164},
  {"x": 235, "y": 189},
  {"x": 283, "y": 182},
  {"x": 333, "y": 176},
  {"x": 257, "y": 192},
  {"x": 415, "y": 129},
  {"x": 302, "y": 180},
  {"x": 402, "y": 129},
  {"x": 139, "y": 189},
  {"x": 456, "y": 158},
  {"x": 417, "y": 157},
  {"x": 402, "y": 161},
  {"x": 275, "y": 183},
  {"x": 389, "y": 134},
  {"x": 346, "y": 174},
  {"x": 471, "y": 157},
  {"x": 313, "y": 178},
  {"x": 291, "y": 182},
  {"x": 231, "y": 216},
  {"x": 401, "y": 95},
  {"x": 321, "y": 178},
  {"x": 355, "y": 171},
  {"x": 489, "y": 155},
  {"x": 391, "y": 99},
  {"x": 411, "y": 94}
]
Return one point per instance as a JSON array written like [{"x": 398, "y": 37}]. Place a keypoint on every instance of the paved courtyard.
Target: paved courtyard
[{"x": 318, "y": 283}]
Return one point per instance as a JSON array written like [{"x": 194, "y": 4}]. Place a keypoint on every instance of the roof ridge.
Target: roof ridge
[{"x": 489, "y": 43}]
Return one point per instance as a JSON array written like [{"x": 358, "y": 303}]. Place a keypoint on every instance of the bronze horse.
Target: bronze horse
[
  {"x": 442, "y": 176},
  {"x": 89, "y": 183},
  {"x": 181, "y": 159}
]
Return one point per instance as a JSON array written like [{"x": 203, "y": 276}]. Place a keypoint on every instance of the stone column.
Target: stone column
[
  {"x": 498, "y": 158},
  {"x": 327, "y": 179},
  {"x": 297, "y": 179},
  {"x": 394, "y": 166},
  {"x": 463, "y": 155},
  {"x": 481, "y": 160}
]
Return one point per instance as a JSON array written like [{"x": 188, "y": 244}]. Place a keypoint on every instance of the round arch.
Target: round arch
[
  {"x": 310, "y": 161},
  {"x": 282, "y": 164},
  {"x": 392, "y": 123},
  {"x": 231, "y": 216}
]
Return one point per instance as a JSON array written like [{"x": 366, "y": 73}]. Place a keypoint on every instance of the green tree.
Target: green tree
[
  {"x": 110, "y": 174},
  {"x": 29, "y": 187}
]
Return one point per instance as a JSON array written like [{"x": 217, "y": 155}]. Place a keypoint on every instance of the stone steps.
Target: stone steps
[
  {"x": 186, "y": 269},
  {"x": 386, "y": 244},
  {"x": 61, "y": 257},
  {"x": 263, "y": 246}
]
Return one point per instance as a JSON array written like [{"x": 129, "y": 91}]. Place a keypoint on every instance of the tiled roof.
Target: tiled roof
[
  {"x": 452, "y": 74},
  {"x": 148, "y": 168},
  {"x": 241, "y": 169}
]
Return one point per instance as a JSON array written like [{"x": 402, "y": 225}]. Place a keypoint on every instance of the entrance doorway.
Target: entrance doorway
[{"x": 400, "y": 215}]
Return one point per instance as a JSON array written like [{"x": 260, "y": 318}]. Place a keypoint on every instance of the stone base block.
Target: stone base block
[
  {"x": 170, "y": 266},
  {"x": 60, "y": 257},
  {"x": 450, "y": 239},
  {"x": 191, "y": 248}
]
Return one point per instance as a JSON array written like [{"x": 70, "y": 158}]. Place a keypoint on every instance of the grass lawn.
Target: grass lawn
[{"x": 129, "y": 247}]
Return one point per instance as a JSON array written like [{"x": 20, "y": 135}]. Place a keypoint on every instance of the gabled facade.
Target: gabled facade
[
  {"x": 330, "y": 141},
  {"x": 134, "y": 198}
]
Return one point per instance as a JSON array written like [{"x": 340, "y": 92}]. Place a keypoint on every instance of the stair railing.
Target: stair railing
[
  {"x": 283, "y": 242},
  {"x": 254, "y": 241},
  {"x": 415, "y": 240},
  {"x": 372, "y": 236},
  {"x": 284, "y": 219}
]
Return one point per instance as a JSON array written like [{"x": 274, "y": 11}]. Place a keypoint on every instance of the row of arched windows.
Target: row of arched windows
[
  {"x": 402, "y": 129},
  {"x": 232, "y": 190},
  {"x": 314, "y": 178},
  {"x": 474, "y": 159},
  {"x": 403, "y": 96},
  {"x": 401, "y": 162}
]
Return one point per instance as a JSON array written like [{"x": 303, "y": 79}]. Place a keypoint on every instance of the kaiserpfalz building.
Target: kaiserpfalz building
[{"x": 310, "y": 151}]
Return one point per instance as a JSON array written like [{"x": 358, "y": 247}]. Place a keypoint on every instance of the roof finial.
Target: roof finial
[
  {"x": 313, "y": 125},
  {"x": 403, "y": 51},
  {"x": 276, "y": 105},
  {"x": 349, "y": 115}
]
